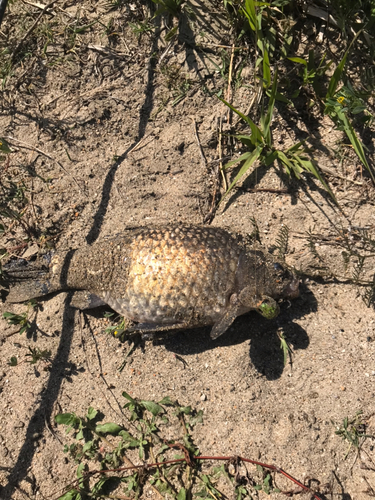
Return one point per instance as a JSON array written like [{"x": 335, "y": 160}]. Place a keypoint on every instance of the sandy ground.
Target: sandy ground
[{"x": 128, "y": 156}]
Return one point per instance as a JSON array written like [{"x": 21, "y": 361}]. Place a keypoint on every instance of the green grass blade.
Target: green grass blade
[
  {"x": 295, "y": 147},
  {"x": 245, "y": 167},
  {"x": 282, "y": 98},
  {"x": 287, "y": 163},
  {"x": 266, "y": 67},
  {"x": 336, "y": 77},
  {"x": 309, "y": 166},
  {"x": 243, "y": 157},
  {"x": 356, "y": 143},
  {"x": 257, "y": 136},
  {"x": 246, "y": 140},
  {"x": 250, "y": 13},
  {"x": 298, "y": 60},
  {"x": 268, "y": 118},
  {"x": 270, "y": 158}
]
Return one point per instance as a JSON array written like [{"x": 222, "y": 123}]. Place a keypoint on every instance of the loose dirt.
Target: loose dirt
[{"x": 119, "y": 151}]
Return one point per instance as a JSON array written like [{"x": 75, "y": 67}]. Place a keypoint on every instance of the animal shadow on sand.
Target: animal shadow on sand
[{"x": 265, "y": 353}]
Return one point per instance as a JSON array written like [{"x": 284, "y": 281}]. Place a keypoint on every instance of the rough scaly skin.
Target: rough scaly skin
[{"x": 175, "y": 276}]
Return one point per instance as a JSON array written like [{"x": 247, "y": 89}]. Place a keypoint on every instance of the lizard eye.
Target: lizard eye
[{"x": 278, "y": 267}]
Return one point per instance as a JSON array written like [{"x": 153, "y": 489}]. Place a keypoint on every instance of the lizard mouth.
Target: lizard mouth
[{"x": 291, "y": 291}]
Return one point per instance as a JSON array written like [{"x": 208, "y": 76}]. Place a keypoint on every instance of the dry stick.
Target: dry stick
[
  {"x": 202, "y": 45},
  {"x": 204, "y": 161},
  {"x": 139, "y": 144},
  {"x": 221, "y": 154},
  {"x": 329, "y": 171},
  {"x": 7, "y": 335},
  {"x": 30, "y": 30},
  {"x": 265, "y": 190},
  {"x": 83, "y": 342},
  {"x": 256, "y": 97},
  {"x": 57, "y": 98},
  {"x": 273, "y": 468},
  {"x": 228, "y": 97},
  {"x": 25, "y": 145},
  {"x": 229, "y": 88},
  {"x": 211, "y": 214}
]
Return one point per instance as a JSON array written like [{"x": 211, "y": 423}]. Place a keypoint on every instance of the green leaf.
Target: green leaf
[
  {"x": 298, "y": 60},
  {"x": 79, "y": 434},
  {"x": 181, "y": 494},
  {"x": 197, "y": 419},
  {"x": 257, "y": 136},
  {"x": 266, "y": 68},
  {"x": 270, "y": 158},
  {"x": 295, "y": 147},
  {"x": 24, "y": 328},
  {"x": 246, "y": 140},
  {"x": 243, "y": 157},
  {"x": 88, "y": 446},
  {"x": 166, "y": 401},
  {"x": 128, "y": 397},
  {"x": 108, "y": 428},
  {"x": 171, "y": 34},
  {"x": 71, "y": 495},
  {"x": 152, "y": 407},
  {"x": 13, "y": 361},
  {"x": 65, "y": 418},
  {"x": 128, "y": 439},
  {"x": 336, "y": 77},
  {"x": 245, "y": 167},
  {"x": 356, "y": 143},
  {"x": 185, "y": 409},
  {"x": 80, "y": 468},
  {"x": 98, "y": 486},
  {"x": 287, "y": 163},
  {"x": 309, "y": 166},
  {"x": 250, "y": 13},
  {"x": 91, "y": 413},
  {"x": 4, "y": 146},
  {"x": 282, "y": 98},
  {"x": 268, "y": 118}
]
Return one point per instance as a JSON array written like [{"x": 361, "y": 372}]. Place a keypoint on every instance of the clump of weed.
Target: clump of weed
[
  {"x": 356, "y": 246},
  {"x": 33, "y": 356},
  {"x": 13, "y": 200},
  {"x": 22, "y": 320},
  {"x": 353, "y": 430},
  {"x": 173, "y": 469},
  {"x": 176, "y": 81},
  {"x": 118, "y": 328},
  {"x": 259, "y": 143}
]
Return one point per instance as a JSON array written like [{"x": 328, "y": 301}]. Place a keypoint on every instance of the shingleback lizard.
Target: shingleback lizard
[{"x": 163, "y": 278}]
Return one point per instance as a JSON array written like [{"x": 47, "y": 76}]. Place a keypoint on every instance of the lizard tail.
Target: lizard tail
[{"x": 25, "y": 280}]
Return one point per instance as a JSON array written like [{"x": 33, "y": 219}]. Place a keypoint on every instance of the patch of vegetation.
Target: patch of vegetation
[
  {"x": 34, "y": 356},
  {"x": 22, "y": 320},
  {"x": 264, "y": 24},
  {"x": 353, "y": 430},
  {"x": 171, "y": 468},
  {"x": 357, "y": 250},
  {"x": 118, "y": 328},
  {"x": 13, "y": 200},
  {"x": 295, "y": 159}
]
